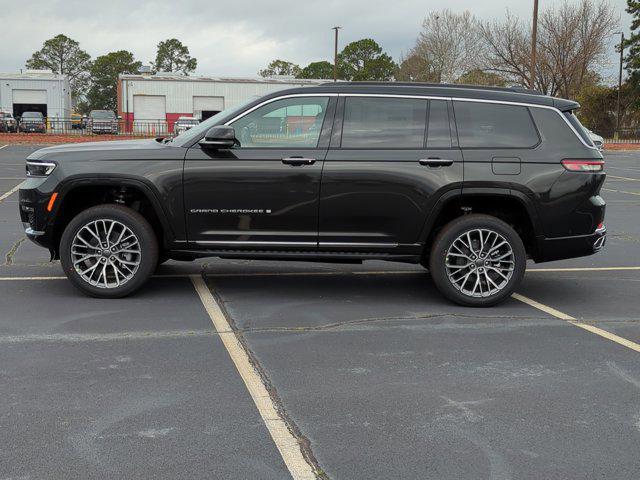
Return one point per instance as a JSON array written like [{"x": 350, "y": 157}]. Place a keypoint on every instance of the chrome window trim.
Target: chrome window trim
[
  {"x": 424, "y": 97},
  {"x": 251, "y": 242}
]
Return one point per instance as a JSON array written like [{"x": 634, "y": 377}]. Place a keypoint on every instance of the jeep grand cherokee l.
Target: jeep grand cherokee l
[{"x": 468, "y": 181}]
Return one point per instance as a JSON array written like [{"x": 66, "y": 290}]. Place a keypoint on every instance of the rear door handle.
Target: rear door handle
[
  {"x": 298, "y": 161},
  {"x": 435, "y": 162}
]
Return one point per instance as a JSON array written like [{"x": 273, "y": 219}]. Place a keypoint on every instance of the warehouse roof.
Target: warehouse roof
[
  {"x": 32, "y": 75},
  {"x": 175, "y": 77}
]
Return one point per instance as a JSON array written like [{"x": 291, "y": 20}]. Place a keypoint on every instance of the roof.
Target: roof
[
  {"x": 517, "y": 95},
  {"x": 175, "y": 77},
  {"x": 33, "y": 75}
]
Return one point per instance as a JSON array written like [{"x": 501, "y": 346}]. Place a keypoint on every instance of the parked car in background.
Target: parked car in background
[
  {"x": 103, "y": 121},
  {"x": 597, "y": 140},
  {"x": 76, "y": 121},
  {"x": 8, "y": 123},
  {"x": 183, "y": 124},
  {"x": 32, "y": 122}
]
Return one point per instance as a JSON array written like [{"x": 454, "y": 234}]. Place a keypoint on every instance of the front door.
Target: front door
[
  {"x": 262, "y": 194},
  {"x": 390, "y": 159}
]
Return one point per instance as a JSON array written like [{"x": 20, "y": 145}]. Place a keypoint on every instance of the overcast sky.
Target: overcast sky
[{"x": 236, "y": 37}]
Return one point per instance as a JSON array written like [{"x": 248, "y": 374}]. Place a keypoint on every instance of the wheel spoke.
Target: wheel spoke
[
  {"x": 108, "y": 269},
  {"x": 476, "y": 278}
]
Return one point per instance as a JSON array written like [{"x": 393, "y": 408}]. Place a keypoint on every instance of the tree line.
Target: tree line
[
  {"x": 572, "y": 52},
  {"x": 94, "y": 81}
]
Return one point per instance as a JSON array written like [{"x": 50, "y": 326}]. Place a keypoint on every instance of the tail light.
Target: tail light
[{"x": 583, "y": 165}]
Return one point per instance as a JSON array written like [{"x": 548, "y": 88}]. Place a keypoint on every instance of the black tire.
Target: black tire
[
  {"x": 440, "y": 252},
  {"x": 136, "y": 223}
]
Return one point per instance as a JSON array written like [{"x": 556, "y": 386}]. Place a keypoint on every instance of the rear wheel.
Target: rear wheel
[
  {"x": 477, "y": 260},
  {"x": 108, "y": 251}
]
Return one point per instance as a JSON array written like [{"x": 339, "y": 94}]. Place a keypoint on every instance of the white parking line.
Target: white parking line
[
  {"x": 3, "y": 146},
  {"x": 568, "y": 318},
  {"x": 286, "y": 443},
  {"x": 10, "y": 192},
  {"x": 321, "y": 274},
  {"x": 624, "y": 178}
]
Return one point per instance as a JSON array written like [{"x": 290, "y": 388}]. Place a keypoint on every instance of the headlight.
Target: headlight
[{"x": 39, "y": 169}]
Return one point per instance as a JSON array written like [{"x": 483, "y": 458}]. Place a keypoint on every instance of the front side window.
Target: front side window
[
  {"x": 379, "y": 122},
  {"x": 287, "y": 123},
  {"x": 493, "y": 125}
]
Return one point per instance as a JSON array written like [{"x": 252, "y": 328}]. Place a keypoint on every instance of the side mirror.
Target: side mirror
[{"x": 220, "y": 136}]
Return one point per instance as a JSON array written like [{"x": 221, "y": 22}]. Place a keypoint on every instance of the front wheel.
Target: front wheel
[
  {"x": 477, "y": 260},
  {"x": 108, "y": 251}
]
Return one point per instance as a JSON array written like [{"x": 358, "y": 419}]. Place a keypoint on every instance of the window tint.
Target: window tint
[
  {"x": 287, "y": 123},
  {"x": 573, "y": 120},
  {"x": 438, "y": 134},
  {"x": 376, "y": 122},
  {"x": 494, "y": 125}
]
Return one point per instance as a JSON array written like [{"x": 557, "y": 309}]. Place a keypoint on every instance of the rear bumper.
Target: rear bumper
[{"x": 570, "y": 247}]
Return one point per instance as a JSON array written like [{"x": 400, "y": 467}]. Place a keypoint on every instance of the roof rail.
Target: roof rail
[{"x": 513, "y": 89}]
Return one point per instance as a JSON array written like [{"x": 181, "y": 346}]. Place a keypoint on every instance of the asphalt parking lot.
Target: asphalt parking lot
[{"x": 241, "y": 369}]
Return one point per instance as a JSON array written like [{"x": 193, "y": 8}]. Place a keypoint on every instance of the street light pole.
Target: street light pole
[
  {"x": 617, "y": 132},
  {"x": 335, "y": 55},
  {"x": 534, "y": 41}
]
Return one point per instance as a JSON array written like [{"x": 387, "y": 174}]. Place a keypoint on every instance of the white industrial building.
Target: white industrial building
[
  {"x": 147, "y": 99},
  {"x": 35, "y": 91}
]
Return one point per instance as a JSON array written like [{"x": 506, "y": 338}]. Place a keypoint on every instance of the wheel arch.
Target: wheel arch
[{"x": 64, "y": 208}]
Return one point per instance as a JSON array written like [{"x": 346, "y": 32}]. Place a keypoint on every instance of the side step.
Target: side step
[{"x": 327, "y": 257}]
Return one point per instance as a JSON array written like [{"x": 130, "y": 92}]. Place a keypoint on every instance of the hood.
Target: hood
[{"x": 59, "y": 151}]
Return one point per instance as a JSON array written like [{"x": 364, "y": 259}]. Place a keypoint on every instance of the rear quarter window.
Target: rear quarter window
[{"x": 493, "y": 125}]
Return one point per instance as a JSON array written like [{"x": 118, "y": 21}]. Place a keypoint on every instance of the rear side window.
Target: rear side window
[
  {"x": 493, "y": 125},
  {"x": 573, "y": 120},
  {"x": 378, "y": 122}
]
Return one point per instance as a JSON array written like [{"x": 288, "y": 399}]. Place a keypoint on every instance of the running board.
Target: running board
[{"x": 328, "y": 257}]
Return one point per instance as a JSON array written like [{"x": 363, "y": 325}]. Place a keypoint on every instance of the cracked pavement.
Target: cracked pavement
[{"x": 375, "y": 374}]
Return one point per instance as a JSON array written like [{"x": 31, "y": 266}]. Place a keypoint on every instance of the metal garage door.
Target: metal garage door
[
  {"x": 150, "y": 114},
  {"x": 204, "y": 107},
  {"x": 30, "y": 96}
]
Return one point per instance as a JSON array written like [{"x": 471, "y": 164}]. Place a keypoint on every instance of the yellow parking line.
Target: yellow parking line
[
  {"x": 568, "y": 318},
  {"x": 620, "y": 191},
  {"x": 285, "y": 441},
  {"x": 624, "y": 178}
]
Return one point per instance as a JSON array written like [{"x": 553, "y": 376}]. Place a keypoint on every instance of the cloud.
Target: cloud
[{"x": 228, "y": 38}]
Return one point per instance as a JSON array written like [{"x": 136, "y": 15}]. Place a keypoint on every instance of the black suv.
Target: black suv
[{"x": 467, "y": 181}]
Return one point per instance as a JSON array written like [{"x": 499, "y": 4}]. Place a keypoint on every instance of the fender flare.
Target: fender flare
[
  {"x": 493, "y": 191},
  {"x": 148, "y": 190}
]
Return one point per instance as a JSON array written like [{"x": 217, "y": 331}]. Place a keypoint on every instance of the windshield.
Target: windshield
[
  {"x": 201, "y": 128},
  {"x": 103, "y": 114},
  {"x": 31, "y": 115}
]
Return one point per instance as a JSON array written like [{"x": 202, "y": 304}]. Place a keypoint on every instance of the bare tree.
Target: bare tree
[
  {"x": 572, "y": 42},
  {"x": 449, "y": 43}
]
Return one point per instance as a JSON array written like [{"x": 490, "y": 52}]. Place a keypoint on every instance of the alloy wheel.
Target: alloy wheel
[
  {"x": 106, "y": 253},
  {"x": 480, "y": 263}
]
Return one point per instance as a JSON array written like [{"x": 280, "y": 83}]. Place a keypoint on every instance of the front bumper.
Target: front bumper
[
  {"x": 549, "y": 249},
  {"x": 36, "y": 220}
]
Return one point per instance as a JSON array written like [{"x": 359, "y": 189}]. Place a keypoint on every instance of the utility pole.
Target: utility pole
[
  {"x": 335, "y": 55},
  {"x": 617, "y": 132},
  {"x": 534, "y": 42}
]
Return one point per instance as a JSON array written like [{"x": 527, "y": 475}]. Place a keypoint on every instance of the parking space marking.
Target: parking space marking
[
  {"x": 624, "y": 178},
  {"x": 573, "y": 321},
  {"x": 10, "y": 192},
  {"x": 3, "y": 146},
  {"x": 331, "y": 273},
  {"x": 620, "y": 191},
  {"x": 286, "y": 443}
]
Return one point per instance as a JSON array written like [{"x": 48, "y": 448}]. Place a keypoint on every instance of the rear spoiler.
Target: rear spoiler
[{"x": 565, "y": 105}]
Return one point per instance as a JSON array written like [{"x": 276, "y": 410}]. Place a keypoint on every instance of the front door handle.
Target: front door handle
[
  {"x": 298, "y": 161},
  {"x": 435, "y": 162}
]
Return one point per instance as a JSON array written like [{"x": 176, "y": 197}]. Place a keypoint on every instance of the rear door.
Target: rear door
[{"x": 390, "y": 158}]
